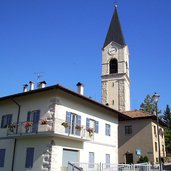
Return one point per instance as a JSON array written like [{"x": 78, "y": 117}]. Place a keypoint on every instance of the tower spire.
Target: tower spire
[{"x": 115, "y": 31}]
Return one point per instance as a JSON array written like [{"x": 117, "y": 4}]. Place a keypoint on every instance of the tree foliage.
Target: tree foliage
[
  {"x": 167, "y": 116},
  {"x": 167, "y": 119},
  {"x": 149, "y": 105}
]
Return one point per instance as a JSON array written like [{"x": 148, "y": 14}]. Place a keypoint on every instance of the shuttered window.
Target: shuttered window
[
  {"x": 91, "y": 159},
  {"x": 107, "y": 160},
  {"x": 6, "y": 120},
  {"x": 107, "y": 129},
  {"x": 29, "y": 158},
  {"x": 90, "y": 123}
]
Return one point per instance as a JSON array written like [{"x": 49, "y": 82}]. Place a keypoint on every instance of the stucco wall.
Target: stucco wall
[{"x": 141, "y": 138}]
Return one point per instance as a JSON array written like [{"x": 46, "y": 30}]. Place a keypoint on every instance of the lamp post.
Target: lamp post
[{"x": 155, "y": 98}]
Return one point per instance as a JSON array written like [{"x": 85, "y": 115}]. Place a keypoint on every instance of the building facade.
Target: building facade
[
  {"x": 43, "y": 129},
  {"x": 138, "y": 137}
]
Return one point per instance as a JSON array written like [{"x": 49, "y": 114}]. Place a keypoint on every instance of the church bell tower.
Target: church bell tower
[{"x": 115, "y": 68}]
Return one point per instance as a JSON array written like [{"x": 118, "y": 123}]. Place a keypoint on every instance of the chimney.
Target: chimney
[
  {"x": 25, "y": 88},
  {"x": 31, "y": 85},
  {"x": 80, "y": 89},
  {"x": 42, "y": 84}
]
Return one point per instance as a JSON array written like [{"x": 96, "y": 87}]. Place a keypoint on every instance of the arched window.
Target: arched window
[{"x": 113, "y": 66}]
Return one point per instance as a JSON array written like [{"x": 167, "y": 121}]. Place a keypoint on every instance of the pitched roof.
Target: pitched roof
[
  {"x": 121, "y": 116},
  {"x": 115, "y": 32},
  {"x": 139, "y": 114}
]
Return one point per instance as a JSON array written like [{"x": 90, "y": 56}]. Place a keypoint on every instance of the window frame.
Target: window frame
[{"x": 128, "y": 129}]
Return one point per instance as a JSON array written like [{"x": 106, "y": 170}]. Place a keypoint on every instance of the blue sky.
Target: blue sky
[{"x": 62, "y": 39}]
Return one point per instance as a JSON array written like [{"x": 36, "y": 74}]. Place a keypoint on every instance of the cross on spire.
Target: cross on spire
[{"x": 115, "y": 3}]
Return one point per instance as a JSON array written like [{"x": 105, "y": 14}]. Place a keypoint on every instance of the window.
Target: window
[
  {"x": 155, "y": 130},
  {"x": 91, "y": 160},
  {"x": 2, "y": 157},
  {"x": 74, "y": 120},
  {"x": 113, "y": 66},
  {"x": 90, "y": 123},
  {"x": 29, "y": 158},
  {"x": 156, "y": 146},
  {"x": 34, "y": 116},
  {"x": 107, "y": 129},
  {"x": 128, "y": 129},
  {"x": 6, "y": 120},
  {"x": 107, "y": 160}
]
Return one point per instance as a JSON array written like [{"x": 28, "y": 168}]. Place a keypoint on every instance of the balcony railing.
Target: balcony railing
[{"x": 57, "y": 127}]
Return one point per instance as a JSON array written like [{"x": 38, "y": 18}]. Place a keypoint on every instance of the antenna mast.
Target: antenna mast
[{"x": 38, "y": 76}]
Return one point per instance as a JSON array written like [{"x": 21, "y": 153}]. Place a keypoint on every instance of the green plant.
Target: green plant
[
  {"x": 79, "y": 127},
  {"x": 11, "y": 127},
  {"x": 143, "y": 159},
  {"x": 65, "y": 124},
  {"x": 90, "y": 131}
]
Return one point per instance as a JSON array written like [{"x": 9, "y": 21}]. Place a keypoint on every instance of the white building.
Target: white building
[{"x": 43, "y": 129}]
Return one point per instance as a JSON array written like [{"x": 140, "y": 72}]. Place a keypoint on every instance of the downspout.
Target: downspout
[{"x": 15, "y": 141}]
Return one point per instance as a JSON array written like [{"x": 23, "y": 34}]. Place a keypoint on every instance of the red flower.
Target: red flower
[{"x": 28, "y": 124}]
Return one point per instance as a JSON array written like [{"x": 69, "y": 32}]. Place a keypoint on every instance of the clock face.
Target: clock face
[{"x": 112, "y": 50}]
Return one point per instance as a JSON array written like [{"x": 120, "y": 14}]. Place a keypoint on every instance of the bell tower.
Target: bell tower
[{"x": 115, "y": 68}]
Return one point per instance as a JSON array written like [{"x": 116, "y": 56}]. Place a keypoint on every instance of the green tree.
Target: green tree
[
  {"x": 167, "y": 119},
  {"x": 143, "y": 159},
  {"x": 167, "y": 116},
  {"x": 149, "y": 105}
]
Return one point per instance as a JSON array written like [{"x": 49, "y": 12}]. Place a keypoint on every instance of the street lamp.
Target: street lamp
[{"x": 155, "y": 99}]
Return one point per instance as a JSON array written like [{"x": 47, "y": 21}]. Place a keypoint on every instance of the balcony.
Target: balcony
[{"x": 57, "y": 127}]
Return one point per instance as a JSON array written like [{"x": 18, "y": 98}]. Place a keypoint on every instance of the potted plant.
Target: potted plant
[
  {"x": 43, "y": 121},
  {"x": 11, "y": 127},
  {"x": 27, "y": 125},
  {"x": 90, "y": 131},
  {"x": 65, "y": 124},
  {"x": 79, "y": 127}
]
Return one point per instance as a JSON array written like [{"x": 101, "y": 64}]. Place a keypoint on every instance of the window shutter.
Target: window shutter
[
  {"x": 68, "y": 120},
  {"x": 68, "y": 117},
  {"x": 3, "y": 121},
  {"x": 28, "y": 115},
  {"x": 29, "y": 158},
  {"x": 87, "y": 123},
  {"x": 36, "y": 116},
  {"x": 9, "y": 119},
  {"x": 2, "y": 157},
  {"x": 78, "y": 122},
  {"x": 91, "y": 159},
  {"x": 96, "y": 127},
  {"x": 107, "y": 160}
]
